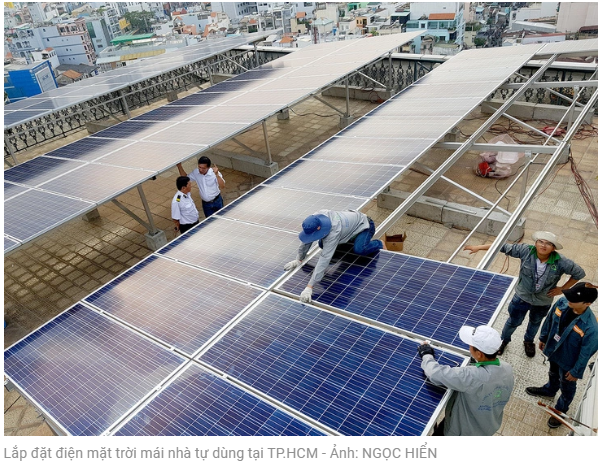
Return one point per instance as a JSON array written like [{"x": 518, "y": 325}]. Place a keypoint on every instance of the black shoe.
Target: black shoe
[
  {"x": 554, "y": 423},
  {"x": 502, "y": 347},
  {"x": 529, "y": 349},
  {"x": 538, "y": 391}
]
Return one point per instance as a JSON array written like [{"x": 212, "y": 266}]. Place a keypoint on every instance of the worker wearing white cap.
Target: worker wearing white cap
[
  {"x": 481, "y": 389},
  {"x": 541, "y": 269}
]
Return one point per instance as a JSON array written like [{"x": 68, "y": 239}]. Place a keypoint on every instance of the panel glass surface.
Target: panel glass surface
[
  {"x": 172, "y": 113},
  {"x": 284, "y": 209},
  {"x": 196, "y": 133},
  {"x": 426, "y": 297},
  {"x": 39, "y": 170},
  {"x": 151, "y": 156},
  {"x": 330, "y": 177},
  {"x": 390, "y": 128},
  {"x": 28, "y": 215},
  {"x": 199, "y": 403},
  {"x": 97, "y": 182},
  {"x": 355, "y": 379},
  {"x": 370, "y": 150},
  {"x": 247, "y": 252},
  {"x": 11, "y": 190},
  {"x": 19, "y": 116},
  {"x": 89, "y": 149},
  {"x": 578, "y": 47},
  {"x": 86, "y": 371},
  {"x": 135, "y": 130},
  {"x": 204, "y": 98},
  {"x": 236, "y": 114},
  {"x": 182, "y": 306}
]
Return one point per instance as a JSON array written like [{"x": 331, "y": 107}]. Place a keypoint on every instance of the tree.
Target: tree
[
  {"x": 140, "y": 20},
  {"x": 479, "y": 42}
]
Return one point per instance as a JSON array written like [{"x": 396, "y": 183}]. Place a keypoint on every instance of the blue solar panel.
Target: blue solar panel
[
  {"x": 198, "y": 403},
  {"x": 333, "y": 177},
  {"x": 89, "y": 149},
  {"x": 171, "y": 113},
  {"x": 152, "y": 156},
  {"x": 86, "y": 371},
  {"x": 136, "y": 130},
  {"x": 9, "y": 244},
  {"x": 426, "y": 297},
  {"x": 34, "y": 212},
  {"x": 39, "y": 170},
  {"x": 246, "y": 252},
  {"x": 182, "y": 306},
  {"x": 12, "y": 190},
  {"x": 285, "y": 209},
  {"x": 355, "y": 379}
]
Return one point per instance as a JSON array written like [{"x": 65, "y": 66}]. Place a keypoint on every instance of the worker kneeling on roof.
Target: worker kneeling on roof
[
  {"x": 481, "y": 390},
  {"x": 331, "y": 228}
]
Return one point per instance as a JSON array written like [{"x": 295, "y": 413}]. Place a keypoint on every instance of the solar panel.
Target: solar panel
[
  {"x": 151, "y": 156},
  {"x": 16, "y": 117},
  {"x": 135, "y": 130},
  {"x": 196, "y": 133},
  {"x": 284, "y": 209},
  {"x": 353, "y": 378},
  {"x": 205, "y": 98},
  {"x": 12, "y": 190},
  {"x": 172, "y": 113},
  {"x": 370, "y": 150},
  {"x": 86, "y": 371},
  {"x": 97, "y": 182},
  {"x": 379, "y": 127},
  {"x": 426, "y": 297},
  {"x": 89, "y": 149},
  {"x": 571, "y": 47},
  {"x": 246, "y": 252},
  {"x": 40, "y": 170},
  {"x": 236, "y": 114},
  {"x": 332, "y": 177},
  {"x": 10, "y": 244},
  {"x": 179, "y": 305},
  {"x": 198, "y": 403},
  {"x": 32, "y": 213}
]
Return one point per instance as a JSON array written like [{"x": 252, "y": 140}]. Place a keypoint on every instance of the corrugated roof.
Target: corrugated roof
[
  {"x": 71, "y": 74},
  {"x": 441, "y": 16}
]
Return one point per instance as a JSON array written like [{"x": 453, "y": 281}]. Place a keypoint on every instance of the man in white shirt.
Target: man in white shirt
[
  {"x": 183, "y": 210},
  {"x": 210, "y": 182}
]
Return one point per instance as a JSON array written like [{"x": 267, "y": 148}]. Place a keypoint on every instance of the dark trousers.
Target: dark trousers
[
  {"x": 185, "y": 227},
  {"x": 517, "y": 310},
  {"x": 362, "y": 243},
  {"x": 211, "y": 207},
  {"x": 557, "y": 381},
  {"x": 438, "y": 429}
]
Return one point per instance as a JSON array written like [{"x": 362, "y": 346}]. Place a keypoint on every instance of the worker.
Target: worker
[
  {"x": 331, "y": 228},
  {"x": 541, "y": 269},
  {"x": 210, "y": 183},
  {"x": 481, "y": 389},
  {"x": 569, "y": 338}
]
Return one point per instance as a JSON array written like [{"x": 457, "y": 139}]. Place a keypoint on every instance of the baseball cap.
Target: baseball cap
[
  {"x": 315, "y": 227},
  {"x": 484, "y": 338},
  {"x": 548, "y": 236},
  {"x": 582, "y": 292}
]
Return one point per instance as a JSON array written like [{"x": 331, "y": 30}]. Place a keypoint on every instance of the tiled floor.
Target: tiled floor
[{"x": 48, "y": 275}]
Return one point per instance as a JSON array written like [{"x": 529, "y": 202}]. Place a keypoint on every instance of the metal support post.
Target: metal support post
[
  {"x": 245, "y": 147},
  {"x": 130, "y": 213},
  {"x": 316, "y": 97},
  {"x": 390, "y": 73},
  {"x": 572, "y": 107},
  {"x": 525, "y": 175},
  {"x": 371, "y": 79},
  {"x": 256, "y": 55},
  {"x": 152, "y": 228},
  {"x": 124, "y": 104},
  {"x": 210, "y": 77},
  {"x": 347, "y": 115},
  {"x": 10, "y": 150},
  {"x": 264, "y": 126}
]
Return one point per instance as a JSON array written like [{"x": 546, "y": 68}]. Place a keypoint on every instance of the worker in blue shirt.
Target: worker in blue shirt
[{"x": 569, "y": 338}]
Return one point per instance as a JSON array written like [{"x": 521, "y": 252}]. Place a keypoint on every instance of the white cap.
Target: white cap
[{"x": 484, "y": 338}]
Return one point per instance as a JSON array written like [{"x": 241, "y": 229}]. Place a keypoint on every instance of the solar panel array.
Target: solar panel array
[
  {"x": 118, "y": 79},
  {"x": 263, "y": 363},
  {"x": 122, "y": 156}
]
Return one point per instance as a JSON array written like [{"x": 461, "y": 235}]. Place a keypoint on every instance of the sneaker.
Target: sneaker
[
  {"x": 502, "y": 347},
  {"x": 529, "y": 349},
  {"x": 554, "y": 423},
  {"x": 538, "y": 391}
]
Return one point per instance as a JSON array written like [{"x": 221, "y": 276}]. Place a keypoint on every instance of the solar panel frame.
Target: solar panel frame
[
  {"x": 10, "y": 244},
  {"x": 94, "y": 339},
  {"x": 350, "y": 377},
  {"x": 414, "y": 295},
  {"x": 198, "y": 403},
  {"x": 35, "y": 172},
  {"x": 180, "y": 306}
]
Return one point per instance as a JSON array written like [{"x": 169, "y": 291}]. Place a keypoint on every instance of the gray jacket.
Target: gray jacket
[
  {"x": 481, "y": 391},
  {"x": 345, "y": 225},
  {"x": 557, "y": 266}
]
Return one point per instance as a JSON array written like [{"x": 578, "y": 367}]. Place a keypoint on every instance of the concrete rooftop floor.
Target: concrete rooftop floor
[{"x": 48, "y": 275}]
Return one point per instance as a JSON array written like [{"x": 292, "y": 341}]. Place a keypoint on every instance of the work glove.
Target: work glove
[
  {"x": 305, "y": 296},
  {"x": 292, "y": 265},
  {"x": 424, "y": 349}
]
